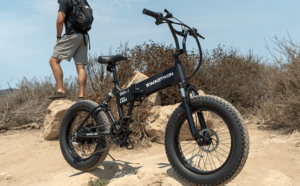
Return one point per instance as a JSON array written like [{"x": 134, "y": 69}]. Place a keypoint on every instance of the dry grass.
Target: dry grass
[
  {"x": 282, "y": 107},
  {"x": 28, "y": 104}
]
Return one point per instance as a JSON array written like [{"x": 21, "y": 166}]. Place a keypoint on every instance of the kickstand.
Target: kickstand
[{"x": 112, "y": 158}]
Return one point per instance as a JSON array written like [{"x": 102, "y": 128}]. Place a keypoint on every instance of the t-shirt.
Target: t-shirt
[{"x": 67, "y": 7}]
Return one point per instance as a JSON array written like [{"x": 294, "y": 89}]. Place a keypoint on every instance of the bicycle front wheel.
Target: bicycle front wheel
[{"x": 222, "y": 154}]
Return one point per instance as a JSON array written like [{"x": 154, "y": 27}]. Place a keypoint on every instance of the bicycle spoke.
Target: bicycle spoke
[
  {"x": 218, "y": 157},
  {"x": 221, "y": 130},
  {"x": 208, "y": 157},
  {"x": 187, "y": 149},
  {"x": 212, "y": 160},
  {"x": 220, "y": 126},
  {"x": 192, "y": 150},
  {"x": 225, "y": 145}
]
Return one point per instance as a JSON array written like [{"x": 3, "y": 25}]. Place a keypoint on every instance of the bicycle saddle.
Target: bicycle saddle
[{"x": 112, "y": 59}]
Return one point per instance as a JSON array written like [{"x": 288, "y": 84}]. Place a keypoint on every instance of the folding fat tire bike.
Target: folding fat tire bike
[{"x": 206, "y": 139}]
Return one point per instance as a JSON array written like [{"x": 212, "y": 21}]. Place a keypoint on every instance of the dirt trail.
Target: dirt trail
[{"x": 26, "y": 159}]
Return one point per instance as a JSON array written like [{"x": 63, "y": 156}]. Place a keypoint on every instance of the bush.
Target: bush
[
  {"x": 282, "y": 108},
  {"x": 235, "y": 77},
  {"x": 98, "y": 182}
]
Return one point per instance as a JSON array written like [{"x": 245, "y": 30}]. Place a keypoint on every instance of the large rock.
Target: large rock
[
  {"x": 55, "y": 113},
  {"x": 157, "y": 121},
  {"x": 138, "y": 77}
]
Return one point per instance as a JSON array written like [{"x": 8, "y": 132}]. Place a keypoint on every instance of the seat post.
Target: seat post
[
  {"x": 117, "y": 89},
  {"x": 116, "y": 82}
]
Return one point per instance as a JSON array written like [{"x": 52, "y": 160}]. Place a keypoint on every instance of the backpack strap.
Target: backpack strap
[
  {"x": 89, "y": 41},
  {"x": 74, "y": 9},
  {"x": 85, "y": 40}
]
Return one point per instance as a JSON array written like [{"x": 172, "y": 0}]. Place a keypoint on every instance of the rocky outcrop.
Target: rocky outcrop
[
  {"x": 157, "y": 121},
  {"x": 138, "y": 77},
  {"x": 55, "y": 113}
]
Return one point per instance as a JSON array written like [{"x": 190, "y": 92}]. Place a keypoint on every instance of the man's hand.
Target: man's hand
[{"x": 60, "y": 23}]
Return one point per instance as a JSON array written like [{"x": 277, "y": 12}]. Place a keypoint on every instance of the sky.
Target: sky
[{"x": 28, "y": 29}]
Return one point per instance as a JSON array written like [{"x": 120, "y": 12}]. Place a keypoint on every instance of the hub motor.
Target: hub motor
[{"x": 208, "y": 140}]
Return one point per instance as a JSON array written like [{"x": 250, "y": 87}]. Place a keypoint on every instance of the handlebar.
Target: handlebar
[
  {"x": 155, "y": 15},
  {"x": 190, "y": 31}
]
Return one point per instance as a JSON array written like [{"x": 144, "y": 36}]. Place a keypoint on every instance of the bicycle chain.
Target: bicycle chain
[
  {"x": 99, "y": 126},
  {"x": 104, "y": 149}
]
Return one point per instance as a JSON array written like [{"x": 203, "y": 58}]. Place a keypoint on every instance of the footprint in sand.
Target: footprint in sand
[{"x": 276, "y": 178}]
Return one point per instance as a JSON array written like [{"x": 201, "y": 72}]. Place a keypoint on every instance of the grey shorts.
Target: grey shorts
[{"x": 72, "y": 46}]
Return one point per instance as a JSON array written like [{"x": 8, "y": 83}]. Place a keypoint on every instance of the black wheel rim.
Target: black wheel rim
[
  {"x": 88, "y": 145},
  {"x": 206, "y": 159}
]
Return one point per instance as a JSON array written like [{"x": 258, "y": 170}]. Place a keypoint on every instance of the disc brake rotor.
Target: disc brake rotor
[{"x": 211, "y": 139}]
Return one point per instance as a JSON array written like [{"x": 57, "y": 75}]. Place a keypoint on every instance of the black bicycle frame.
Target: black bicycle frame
[{"x": 170, "y": 77}]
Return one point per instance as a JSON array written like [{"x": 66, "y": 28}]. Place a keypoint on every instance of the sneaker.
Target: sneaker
[
  {"x": 57, "y": 95},
  {"x": 80, "y": 99}
]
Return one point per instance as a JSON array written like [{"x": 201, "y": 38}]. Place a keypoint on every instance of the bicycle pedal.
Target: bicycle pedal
[
  {"x": 127, "y": 145},
  {"x": 124, "y": 144}
]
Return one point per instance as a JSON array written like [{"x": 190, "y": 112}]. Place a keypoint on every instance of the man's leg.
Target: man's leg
[
  {"x": 58, "y": 74},
  {"x": 81, "y": 79}
]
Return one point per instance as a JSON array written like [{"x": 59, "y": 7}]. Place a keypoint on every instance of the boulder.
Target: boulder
[
  {"x": 55, "y": 114},
  {"x": 138, "y": 77},
  {"x": 158, "y": 119}
]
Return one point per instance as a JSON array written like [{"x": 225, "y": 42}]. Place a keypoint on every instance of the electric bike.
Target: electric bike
[{"x": 206, "y": 138}]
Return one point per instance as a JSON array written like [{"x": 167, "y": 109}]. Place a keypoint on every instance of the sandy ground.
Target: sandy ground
[{"x": 26, "y": 159}]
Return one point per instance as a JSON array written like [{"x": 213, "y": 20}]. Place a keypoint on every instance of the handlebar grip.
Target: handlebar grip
[{"x": 152, "y": 14}]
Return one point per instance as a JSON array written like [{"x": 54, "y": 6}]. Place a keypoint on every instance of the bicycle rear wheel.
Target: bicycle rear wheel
[{"x": 79, "y": 152}]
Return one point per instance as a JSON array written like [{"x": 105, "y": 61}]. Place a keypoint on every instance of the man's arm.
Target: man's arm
[{"x": 60, "y": 22}]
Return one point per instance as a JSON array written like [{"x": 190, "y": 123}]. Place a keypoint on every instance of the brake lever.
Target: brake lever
[
  {"x": 169, "y": 15},
  {"x": 200, "y": 36},
  {"x": 195, "y": 30}
]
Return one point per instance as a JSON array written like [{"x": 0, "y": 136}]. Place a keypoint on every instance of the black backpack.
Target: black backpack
[{"x": 82, "y": 16}]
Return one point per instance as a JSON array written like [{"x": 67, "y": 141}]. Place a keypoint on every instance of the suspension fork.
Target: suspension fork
[
  {"x": 186, "y": 103},
  {"x": 199, "y": 113}
]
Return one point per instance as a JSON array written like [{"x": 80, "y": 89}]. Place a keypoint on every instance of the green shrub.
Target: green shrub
[{"x": 98, "y": 182}]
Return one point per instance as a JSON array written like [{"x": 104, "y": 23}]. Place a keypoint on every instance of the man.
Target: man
[{"x": 71, "y": 44}]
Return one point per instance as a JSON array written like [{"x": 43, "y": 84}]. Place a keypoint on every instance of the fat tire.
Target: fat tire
[
  {"x": 95, "y": 160},
  {"x": 240, "y": 139}
]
